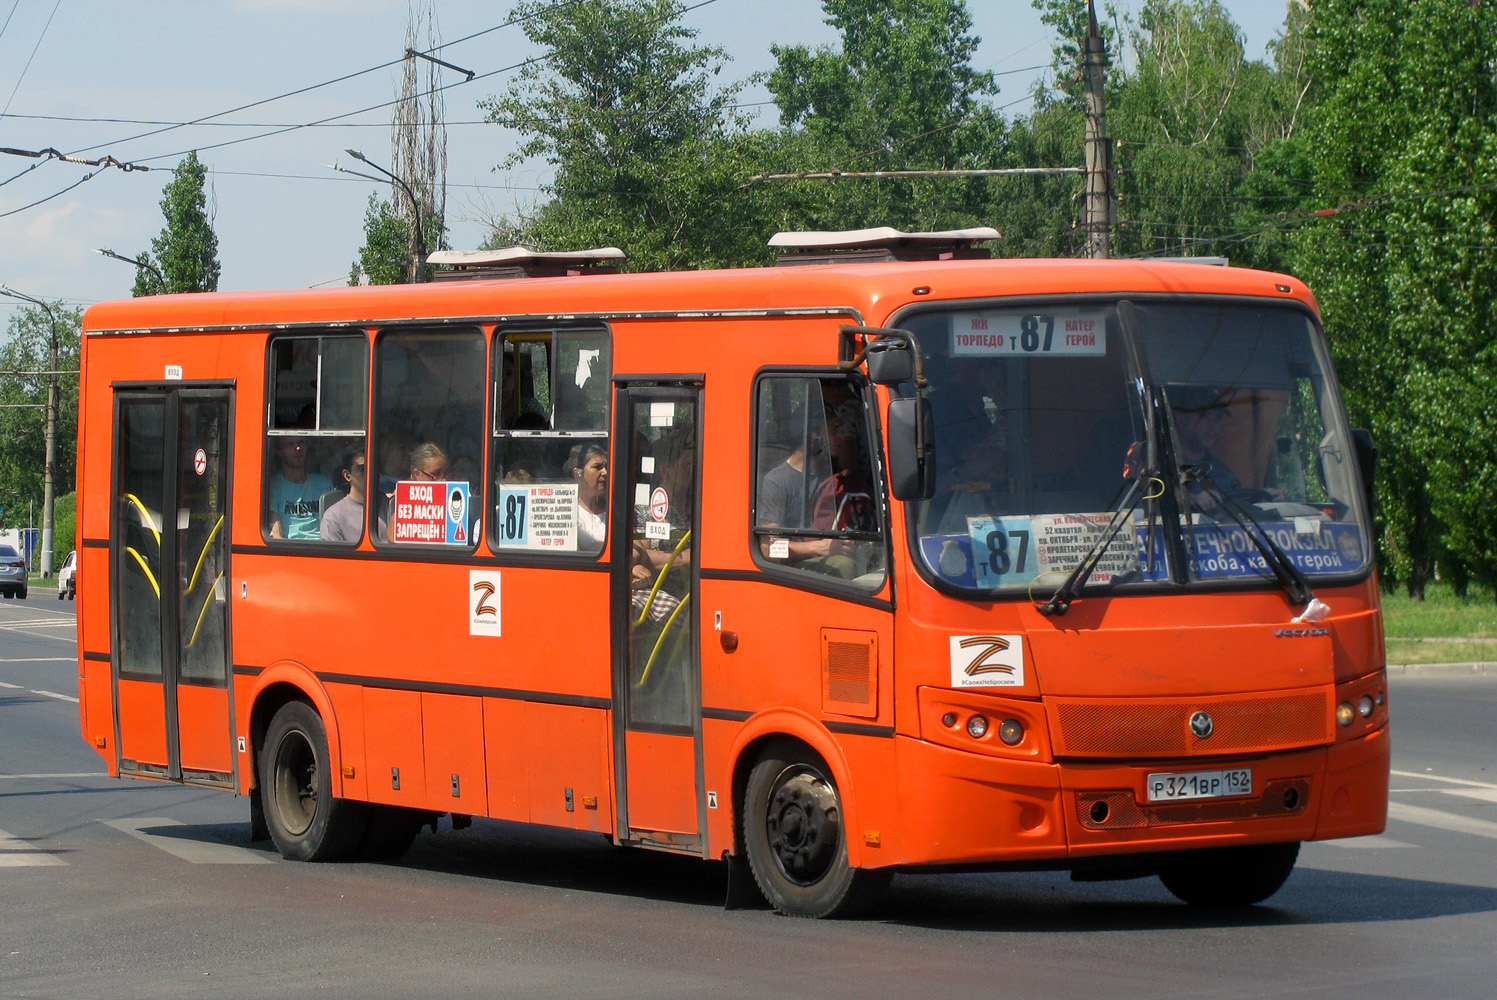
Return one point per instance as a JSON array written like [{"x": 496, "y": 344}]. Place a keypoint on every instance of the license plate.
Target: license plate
[{"x": 1179, "y": 786}]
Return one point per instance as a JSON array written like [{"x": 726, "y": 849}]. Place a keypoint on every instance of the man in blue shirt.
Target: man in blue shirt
[{"x": 294, "y": 492}]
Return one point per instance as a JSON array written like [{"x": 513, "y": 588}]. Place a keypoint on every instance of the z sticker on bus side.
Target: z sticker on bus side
[{"x": 987, "y": 661}]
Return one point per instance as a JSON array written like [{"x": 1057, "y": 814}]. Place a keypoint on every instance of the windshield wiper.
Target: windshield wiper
[
  {"x": 1290, "y": 577},
  {"x": 1060, "y": 601}
]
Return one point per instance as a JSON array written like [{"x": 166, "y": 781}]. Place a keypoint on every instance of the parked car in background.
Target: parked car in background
[
  {"x": 67, "y": 577},
  {"x": 12, "y": 572}
]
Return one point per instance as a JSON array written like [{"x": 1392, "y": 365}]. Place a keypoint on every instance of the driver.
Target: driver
[{"x": 1199, "y": 414}]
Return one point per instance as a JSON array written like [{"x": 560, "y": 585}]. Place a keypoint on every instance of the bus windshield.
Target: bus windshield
[{"x": 1201, "y": 440}]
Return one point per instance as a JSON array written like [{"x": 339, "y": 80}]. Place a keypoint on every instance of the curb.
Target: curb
[{"x": 1478, "y": 668}]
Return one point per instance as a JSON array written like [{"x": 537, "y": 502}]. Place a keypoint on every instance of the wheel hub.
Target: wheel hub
[{"x": 804, "y": 825}]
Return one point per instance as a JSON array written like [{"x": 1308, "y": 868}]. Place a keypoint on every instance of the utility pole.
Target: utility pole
[
  {"x": 51, "y": 431},
  {"x": 1099, "y": 201}
]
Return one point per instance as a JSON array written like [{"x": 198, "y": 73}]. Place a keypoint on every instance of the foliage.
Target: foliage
[
  {"x": 64, "y": 526},
  {"x": 186, "y": 252},
  {"x": 1406, "y": 118},
  {"x": 899, "y": 94},
  {"x": 23, "y": 419},
  {"x": 385, "y": 257},
  {"x": 644, "y": 142}
]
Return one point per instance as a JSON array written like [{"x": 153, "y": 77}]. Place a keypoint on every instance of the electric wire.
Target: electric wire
[{"x": 34, "y": 49}]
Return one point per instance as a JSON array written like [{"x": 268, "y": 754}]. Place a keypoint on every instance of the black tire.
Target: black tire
[
  {"x": 794, "y": 836},
  {"x": 391, "y": 831},
  {"x": 22, "y": 594},
  {"x": 1229, "y": 876},
  {"x": 305, "y": 821}
]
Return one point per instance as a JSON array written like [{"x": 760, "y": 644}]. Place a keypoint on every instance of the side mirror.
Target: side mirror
[
  {"x": 1366, "y": 448},
  {"x": 912, "y": 464},
  {"x": 890, "y": 361}
]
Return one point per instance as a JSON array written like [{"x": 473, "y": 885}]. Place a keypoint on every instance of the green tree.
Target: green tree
[
  {"x": 646, "y": 147},
  {"x": 899, "y": 93},
  {"x": 186, "y": 252},
  {"x": 23, "y": 417},
  {"x": 385, "y": 257},
  {"x": 1404, "y": 133}
]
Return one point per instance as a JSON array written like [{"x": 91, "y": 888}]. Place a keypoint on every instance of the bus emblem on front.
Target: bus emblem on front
[{"x": 1201, "y": 725}]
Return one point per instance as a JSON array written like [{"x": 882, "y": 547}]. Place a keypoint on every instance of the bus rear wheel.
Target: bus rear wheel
[
  {"x": 794, "y": 835},
  {"x": 305, "y": 821},
  {"x": 1229, "y": 876}
]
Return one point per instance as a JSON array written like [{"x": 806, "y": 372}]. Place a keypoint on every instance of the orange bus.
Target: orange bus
[{"x": 890, "y": 558}]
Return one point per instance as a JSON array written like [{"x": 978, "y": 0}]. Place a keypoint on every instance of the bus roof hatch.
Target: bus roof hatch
[
  {"x": 522, "y": 262},
  {"x": 882, "y": 243}
]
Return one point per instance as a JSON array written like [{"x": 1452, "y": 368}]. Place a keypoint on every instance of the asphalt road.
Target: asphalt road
[{"x": 129, "y": 889}]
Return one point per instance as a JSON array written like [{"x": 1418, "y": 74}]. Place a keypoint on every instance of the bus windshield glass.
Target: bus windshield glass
[{"x": 1201, "y": 441}]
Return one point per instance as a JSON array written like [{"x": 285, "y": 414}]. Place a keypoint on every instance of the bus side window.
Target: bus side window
[
  {"x": 318, "y": 386},
  {"x": 816, "y": 504},
  {"x": 428, "y": 435},
  {"x": 549, "y": 441}
]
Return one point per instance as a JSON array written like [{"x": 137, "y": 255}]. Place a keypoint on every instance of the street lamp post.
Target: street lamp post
[
  {"x": 418, "y": 244},
  {"x": 137, "y": 261},
  {"x": 51, "y": 423}
]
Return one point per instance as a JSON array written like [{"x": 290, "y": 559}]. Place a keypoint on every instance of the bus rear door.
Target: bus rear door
[
  {"x": 169, "y": 552},
  {"x": 657, "y": 667}
]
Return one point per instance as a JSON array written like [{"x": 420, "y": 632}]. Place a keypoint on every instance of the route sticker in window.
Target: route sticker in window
[
  {"x": 987, "y": 661},
  {"x": 1062, "y": 333},
  {"x": 1011, "y": 550},
  {"x": 430, "y": 513},
  {"x": 541, "y": 518}
]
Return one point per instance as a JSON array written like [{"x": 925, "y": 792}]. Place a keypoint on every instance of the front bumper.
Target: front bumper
[{"x": 960, "y": 808}]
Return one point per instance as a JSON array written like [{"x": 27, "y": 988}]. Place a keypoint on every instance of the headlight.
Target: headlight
[
  {"x": 1011, "y": 732},
  {"x": 1345, "y": 714}
]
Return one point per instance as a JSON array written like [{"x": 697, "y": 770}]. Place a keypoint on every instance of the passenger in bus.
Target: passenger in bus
[
  {"x": 587, "y": 465},
  {"x": 294, "y": 492},
  {"x": 1200, "y": 415},
  {"x": 844, "y": 501},
  {"x": 428, "y": 464},
  {"x": 977, "y": 485},
  {"x": 781, "y": 503},
  {"x": 519, "y": 405},
  {"x": 344, "y": 520},
  {"x": 394, "y": 461}
]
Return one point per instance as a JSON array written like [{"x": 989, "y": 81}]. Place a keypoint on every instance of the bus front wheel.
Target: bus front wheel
[
  {"x": 305, "y": 821},
  {"x": 794, "y": 835},
  {"x": 1229, "y": 876}
]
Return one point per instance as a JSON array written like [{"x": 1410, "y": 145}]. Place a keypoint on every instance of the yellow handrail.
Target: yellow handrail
[
  {"x": 145, "y": 517},
  {"x": 146, "y": 570},
  {"x": 207, "y": 598},
  {"x": 660, "y": 641},
  {"x": 660, "y": 577},
  {"x": 204, "y": 554}
]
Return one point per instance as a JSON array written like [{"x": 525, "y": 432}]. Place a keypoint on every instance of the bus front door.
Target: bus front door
[
  {"x": 169, "y": 556},
  {"x": 657, "y": 670}
]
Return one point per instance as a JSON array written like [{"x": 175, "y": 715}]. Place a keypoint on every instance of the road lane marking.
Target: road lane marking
[
  {"x": 17, "y": 853},
  {"x": 1436, "y": 777},
  {"x": 54, "y": 694},
  {"x": 198, "y": 852},
  {"x": 1480, "y": 794},
  {"x": 1442, "y": 820},
  {"x": 45, "y": 777},
  {"x": 38, "y": 659},
  {"x": 13, "y": 687}
]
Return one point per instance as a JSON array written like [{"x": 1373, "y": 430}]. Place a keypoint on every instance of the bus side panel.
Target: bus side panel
[
  {"x": 203, "y": 723},
  {"x": 98, "y": 707},
  {"x": 504, "y": 743},
  {"x": 348, "y": 705},
  {"x": 573, "y": 744},
  {"x": 668, "y": 805},
  {"x": 392, "y": 747},
  {"x": 144, "y": 739},
  {"x": 452, "y": 735}
]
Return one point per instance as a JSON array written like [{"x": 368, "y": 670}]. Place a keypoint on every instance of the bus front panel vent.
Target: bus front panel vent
[{"x": 849, "y": 672}]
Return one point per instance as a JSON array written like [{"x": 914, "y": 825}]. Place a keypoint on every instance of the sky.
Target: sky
[{"x": 86, "y": 76}]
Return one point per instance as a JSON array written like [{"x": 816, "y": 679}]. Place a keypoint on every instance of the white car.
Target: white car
[{"x": 67, "y": 577}]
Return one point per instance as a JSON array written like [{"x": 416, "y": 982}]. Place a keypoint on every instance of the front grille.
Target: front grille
[
  {"x": 847, "y": 670},
  {"x": 1240, "y": 724}
]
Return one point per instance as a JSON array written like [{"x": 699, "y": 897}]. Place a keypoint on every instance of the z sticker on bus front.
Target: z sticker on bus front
[{"x": 987, "y": 661}]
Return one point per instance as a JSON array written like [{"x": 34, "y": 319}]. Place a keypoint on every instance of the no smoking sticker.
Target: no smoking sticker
[{"x": 200, "y": 461}]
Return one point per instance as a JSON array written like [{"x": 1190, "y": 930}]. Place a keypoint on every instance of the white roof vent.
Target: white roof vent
[
  {"x": 882, "y": 243},
  {"x": 523, "y": 262}
]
